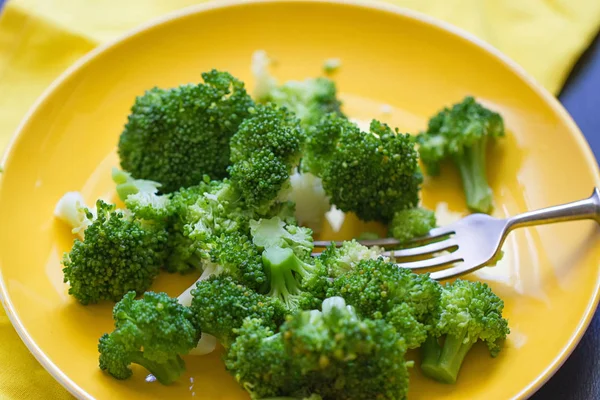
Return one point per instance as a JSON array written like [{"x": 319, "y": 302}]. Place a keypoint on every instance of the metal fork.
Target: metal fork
[{"x": 477, "y": 239}]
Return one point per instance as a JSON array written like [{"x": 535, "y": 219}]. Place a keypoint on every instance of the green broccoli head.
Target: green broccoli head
[
  {"x": 376, "y": 287},
  {"x": 321, "y": 141},
  {"x": 258, "y": 362},
  {"x": 373, "y": 174},
  {"x": 141, "y": 196},
  {"x": 220, "y": 305},
  {"x": 461, "y": 133},
  {"x": 341, "y": 356},
  {"x": 412, "y": 223},
  {"x": 153, "y": 332},
  {"x": 175, "y": 136},
  {"x": 340, "y": 260},
  {"x": 468, "y": 312},
  {"x": 120, "y": 253}
]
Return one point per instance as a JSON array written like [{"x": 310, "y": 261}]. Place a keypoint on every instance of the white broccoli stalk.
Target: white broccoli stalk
[
  {"x": 311, "y": 201},
  {"x": 263, "y": 81},
  {"x": 72, "y": 210}
]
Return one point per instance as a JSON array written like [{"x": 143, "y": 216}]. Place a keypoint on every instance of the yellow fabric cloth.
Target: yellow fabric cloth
[{"x": 40, "y": 38}]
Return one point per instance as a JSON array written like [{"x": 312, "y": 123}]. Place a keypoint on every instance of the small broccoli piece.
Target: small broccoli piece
[
  {"x": 258, "y": 361},
  {"x": 309, "y": 99},
  {"x": 286, "y": 257},
  {"x": 275, "y": 232},
  {"x": 120, "y": 253},
  {"x": 153, "y": 332},
  {"x": 311, "y": 201},
  {"x": 340, "y": 260},
  {"x": 175, "y": 136},
  {"x": 220, "y": 305},
  {"x": 331, "y": 65},
  {"x": 468, "y": 312},
  {"x": 72, "y": 210},
  {"x": 321, "y": 141},
  {"x": 376, "y": 288},
  {"x": 372, "y": 174},
  {"x": 462, "y": 133},
  {"x": 141, "y": 196},
  {"x": 412, "y": 223}
]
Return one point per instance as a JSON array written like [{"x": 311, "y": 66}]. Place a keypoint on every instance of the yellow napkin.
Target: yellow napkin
[{"x": 40, "y": 38}]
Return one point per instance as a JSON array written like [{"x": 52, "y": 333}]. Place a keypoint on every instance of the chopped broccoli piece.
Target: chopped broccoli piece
[
  {"x": 275, "y": 232},
  {"x": 468, "y": 312},
  {"x": 72, "y": 210},
  {"x": 220, "y": 305},
  {"x": 153, "y": 332},
  {"x": 330, "y": 353},
  {"x": 372, "y": 174},
  {"x": 376, "y": 288},
  {"x": 412, "y": 223},
  {"x": 309, "y": 100},
  {"x": 321, "y": 141},
  {"x": 340, "y": 260},
  {"x": 462, "y": 133},
  {"x": 331, "y": 65},
  {"x": 141, "y": 196},
  {"x": 120, "y": 253},
  {"x": 175, "y": 136}
]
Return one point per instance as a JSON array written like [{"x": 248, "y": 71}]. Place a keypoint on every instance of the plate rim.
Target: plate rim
[{"x": 433, "y": 22}]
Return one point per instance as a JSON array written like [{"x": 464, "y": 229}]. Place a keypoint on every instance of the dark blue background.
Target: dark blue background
[{"x": 579, "y": 378}]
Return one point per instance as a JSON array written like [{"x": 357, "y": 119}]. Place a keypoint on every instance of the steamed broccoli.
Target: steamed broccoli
[
  {"x": 330, "y": 353},
  {"x": 175, "y": 136},
  {"x": 340, "y": 260},
  {"x": 153, "y": 332},
  {"x": 220, "y": 304},
  {"x": 120, "y": 253},
  {"x": 264, "y": 151},
  {"x": 311, "y": 201},
  {"x": 371, "y": 174},
  {"x": 72, "y": 210},
  {"x": 141, "y": 196},
  {"x": 321, "y": 141},
  {"x": 412, "y": 223},
  {"x": 286, "y": 257},
  {"x": 309, "y": 99},
  {"x": 468, "y": 312},
  {"x": 462, "y": 133},
  {"x": 380, "y": 289}
]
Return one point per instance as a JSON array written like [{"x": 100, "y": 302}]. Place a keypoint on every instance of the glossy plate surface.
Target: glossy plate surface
[{"x": 549, "y": 277}]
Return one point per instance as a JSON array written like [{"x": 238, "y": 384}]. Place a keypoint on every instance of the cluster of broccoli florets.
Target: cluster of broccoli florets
[{"x": 212, "y": 182}]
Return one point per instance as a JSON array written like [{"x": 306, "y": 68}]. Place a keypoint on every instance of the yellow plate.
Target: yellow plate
[{"x": 549, "y": 278}]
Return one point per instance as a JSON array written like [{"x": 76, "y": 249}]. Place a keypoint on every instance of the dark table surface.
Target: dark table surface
[{"x": 579, "y": 377}]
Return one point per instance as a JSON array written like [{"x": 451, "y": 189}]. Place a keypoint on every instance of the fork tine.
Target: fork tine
[
  {"x": 454, "y": 272},
  {"x": 423, "y": 250},
  {"x": 385, "y": 242},
  {"x": 432, "y": 262}
]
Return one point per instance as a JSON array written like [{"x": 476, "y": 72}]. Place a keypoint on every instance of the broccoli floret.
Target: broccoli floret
[
  {"x": 373, "y": 174},
  {"x": 310, "y": 99},
  {"x": 462, "y": 133},
  {"x": 376, "y": 288},
  {"x": 321, "y": 141},
  {"x": 286, "y": 257},
  {"x": 345, "y": 357},
  {"x": 331, "y": 65},
  {"x": 330, "y": 353},
  {"x": 153, "y": 332},
  {"x": 412, "y": 223},
  {"x": 220, "y": 305},
  {"x": 72, "y": 210},
  {"x": 120, "y": 253},
  {"x": 175, "y": 136},
  {"x": 258, "y": 362},
  {"x": 340, "y": 260},
  {"x": 311, "y": 201},
  {"x": 141, "y": 196},
  {"x": 468, "y": 312}
]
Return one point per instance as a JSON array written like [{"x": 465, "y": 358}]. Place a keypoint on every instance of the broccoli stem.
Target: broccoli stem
[
  {"x": 280, "y": 262},
  {"x": 471, "y": 164},
  {"x": 443, "y": 363},
  {"x": 166, "y": 372}
]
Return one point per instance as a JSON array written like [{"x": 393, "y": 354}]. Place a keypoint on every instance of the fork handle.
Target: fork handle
[{"x": 583, "y": 209}]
